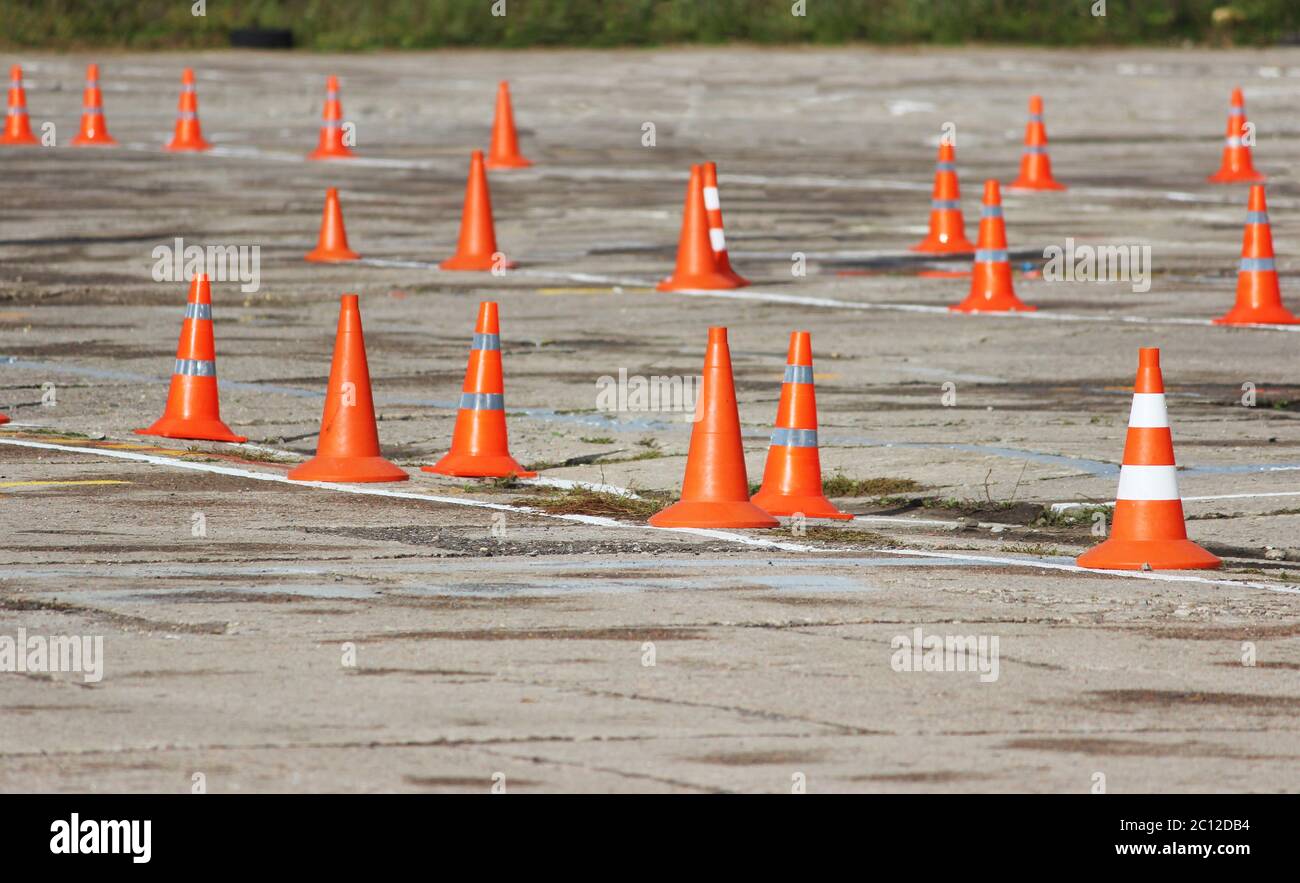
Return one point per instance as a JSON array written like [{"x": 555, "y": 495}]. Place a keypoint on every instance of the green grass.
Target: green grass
[
  {"x": 417, "y": 24},
  {"x": 840, "y": 485}
]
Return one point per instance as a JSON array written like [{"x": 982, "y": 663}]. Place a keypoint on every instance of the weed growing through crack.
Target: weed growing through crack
[
  {"x": 583, "y": 501},
  {"x": 840, "y": 485}
]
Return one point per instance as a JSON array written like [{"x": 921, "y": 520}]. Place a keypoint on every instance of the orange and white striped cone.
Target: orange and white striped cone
[
  {"x": 1237, "y": 167},
  {"x": 18, "y": 128},
  {"x": 193, "y": 410},
  {"x": 947, "y": 227},
  {"x": 1259, "y": 299},
  {"x": 697, "y": 266},
  {"x": 717, "y": 238},
  {"x": 94, "y": 128},
  {"x": 792, "y": 478},
  {"x": 188, "y": 134},
  {"x": 331, "y": 144},
  {"x": 1035, "y": 164},
  {"x": 990, "y": 284},
  {"x": 1148, "y": 530},
  {"x": 479, "y": 445}
]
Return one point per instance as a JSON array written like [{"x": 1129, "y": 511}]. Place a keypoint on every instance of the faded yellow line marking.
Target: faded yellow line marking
[{"x": 55, "y": 482}]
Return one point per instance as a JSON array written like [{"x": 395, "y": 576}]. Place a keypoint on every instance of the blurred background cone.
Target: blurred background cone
[
  {"x": 1259, "y": 298},
  {"x": 792, "y": 478},
  {"x": 1237, "y": 165},
  {"x": 18, "y": 128},
  {"x": 1147, "y": 529},
  {"x": 504, "y": 150},
  {"x": 715, "y": 490},
  {"x": 990, "y": 284},
  {"x": 348, "y": 447},
  {"x": 947, "y": 226},
  {"x": 1035, "y": 164},
  {"x": 94, "y": 128},
  {"x": 331, "y": 144},
  {"x": 479, "y": 445},
  {"x": 192, "y": 408},
  {"x": 188, "y": 135},
  {"x": 332, "y": 245}
]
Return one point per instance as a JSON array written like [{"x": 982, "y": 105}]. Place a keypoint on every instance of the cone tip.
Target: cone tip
[
  {"x": 16, "y": 72},
  {"x": 992, "y": 192},
  {"x": 1149, "y": 357},
  {"x": 350, "y": 301},
  {"x": 187, "y": 76},
  {"x": 1256, "y": 203},
  {"x": 800, "y": 348},
  {"x": 946, "y": 151},
  {"x": 717, "y": 336},
  {"x": 332, "y": 83},
  {"x": 1237, "y": 99},
  {"x": 92, "y": 72},
  {"x": 488, "y": 322},
  {"x": 1035, "y": 104},
  {"x": 504, "y": 86}
]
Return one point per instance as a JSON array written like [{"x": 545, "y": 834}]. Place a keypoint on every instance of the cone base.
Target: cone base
[
  {"x": 4, "y": 418},
  {"x": 331, "y": 256},
  {"x": 992, "y": 306},
  {"x": 20, "y": 141},
  {"x": 933, "y": 245},
  {"x": 699, "y": 281},
  {"x": 347, "y": 470},
  {"x": 195, "y": 428},
  {"x": 1119, "y": 554},
  {"x": 479, "y": 466},
  {"x": 811, "y": 506},
  {"x": 340, "y": 153},
  {"x": 188, "y": 147},
  {"x": 507, "y": 162},
  {"x": 473, "y": 263},
  {"x": 1036, "y": 184},
  {"x": 1274, "y": 315},
  {"x": 1227, "y": 176},
  {"x": 97, "y": 141},
  {"x": 715, "y": 513}
]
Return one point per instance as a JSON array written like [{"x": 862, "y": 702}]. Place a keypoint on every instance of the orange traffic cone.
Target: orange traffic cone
[
  {"x": 504, "y": 150},
  {"x": 713, "y": 209},
  {"x": 990, "y": 284},
  {"x": 94, "y": 128},
  {"x": 331, "y": 144},
  {"x": 697, "y": 268},
  {"x": 1259, "y": 299},
  {"x": 188, "y": 134},
  {"x": 947, "y": 227},
  {"x": 715, "y": 491},
  {"x": 477, "y": 248},
  {"x": 1148, "y": 528},
  {"x": 1035, "y": 164},
  {"x": 333, "y": 242},
  {"x": 18, "y": 129},
  {"x": 479, "y": 447},
  {"x": 348, "y": 447},
  {"x": 1237, "y": 166},
  {"x": 792, "y": 479},
  {"x": 192, "y": 407}
]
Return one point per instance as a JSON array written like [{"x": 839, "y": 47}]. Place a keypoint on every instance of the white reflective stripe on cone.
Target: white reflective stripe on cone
[
  {"x": 711, "y": 201},
  {"x": 1149, "y": 411},
  {"x": 717, "y": 239},
  {"x": 1148, "y": 483}
]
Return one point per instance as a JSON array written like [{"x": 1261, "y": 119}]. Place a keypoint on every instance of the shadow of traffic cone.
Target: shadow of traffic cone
[
  {"x": 503, "y": 153},
  {"x": 1035, "y": 164},
  {"x": 479, "y": 446},
  {"x": 18, "y": 128},
  {"x": 1237, "y": 166},
  {"x": 1259, "y": 299},
  {"x": 188, "y": 135},
  {"x": 348, "y": 447},
  {"x": 331, "y": 144},
  {"x": 696, "y": 267},
  {"x": 990, "y": 284},
  {"x": 713, "y": 210},
  {"x": 192, "y": 408},
  {"x": 947, "y": 227},
  {"x": 94, "y": 128},
  {"x": 792, "y": 478},
  {"x": 332, "y": 245},
  {"x": 1147, "y": 529},
  {"x": 477, "y": 246},
  {"x": 715, "y": 490}
]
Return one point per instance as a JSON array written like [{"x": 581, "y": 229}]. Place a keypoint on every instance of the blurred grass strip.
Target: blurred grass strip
[{"x": 331, "y": 25}]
